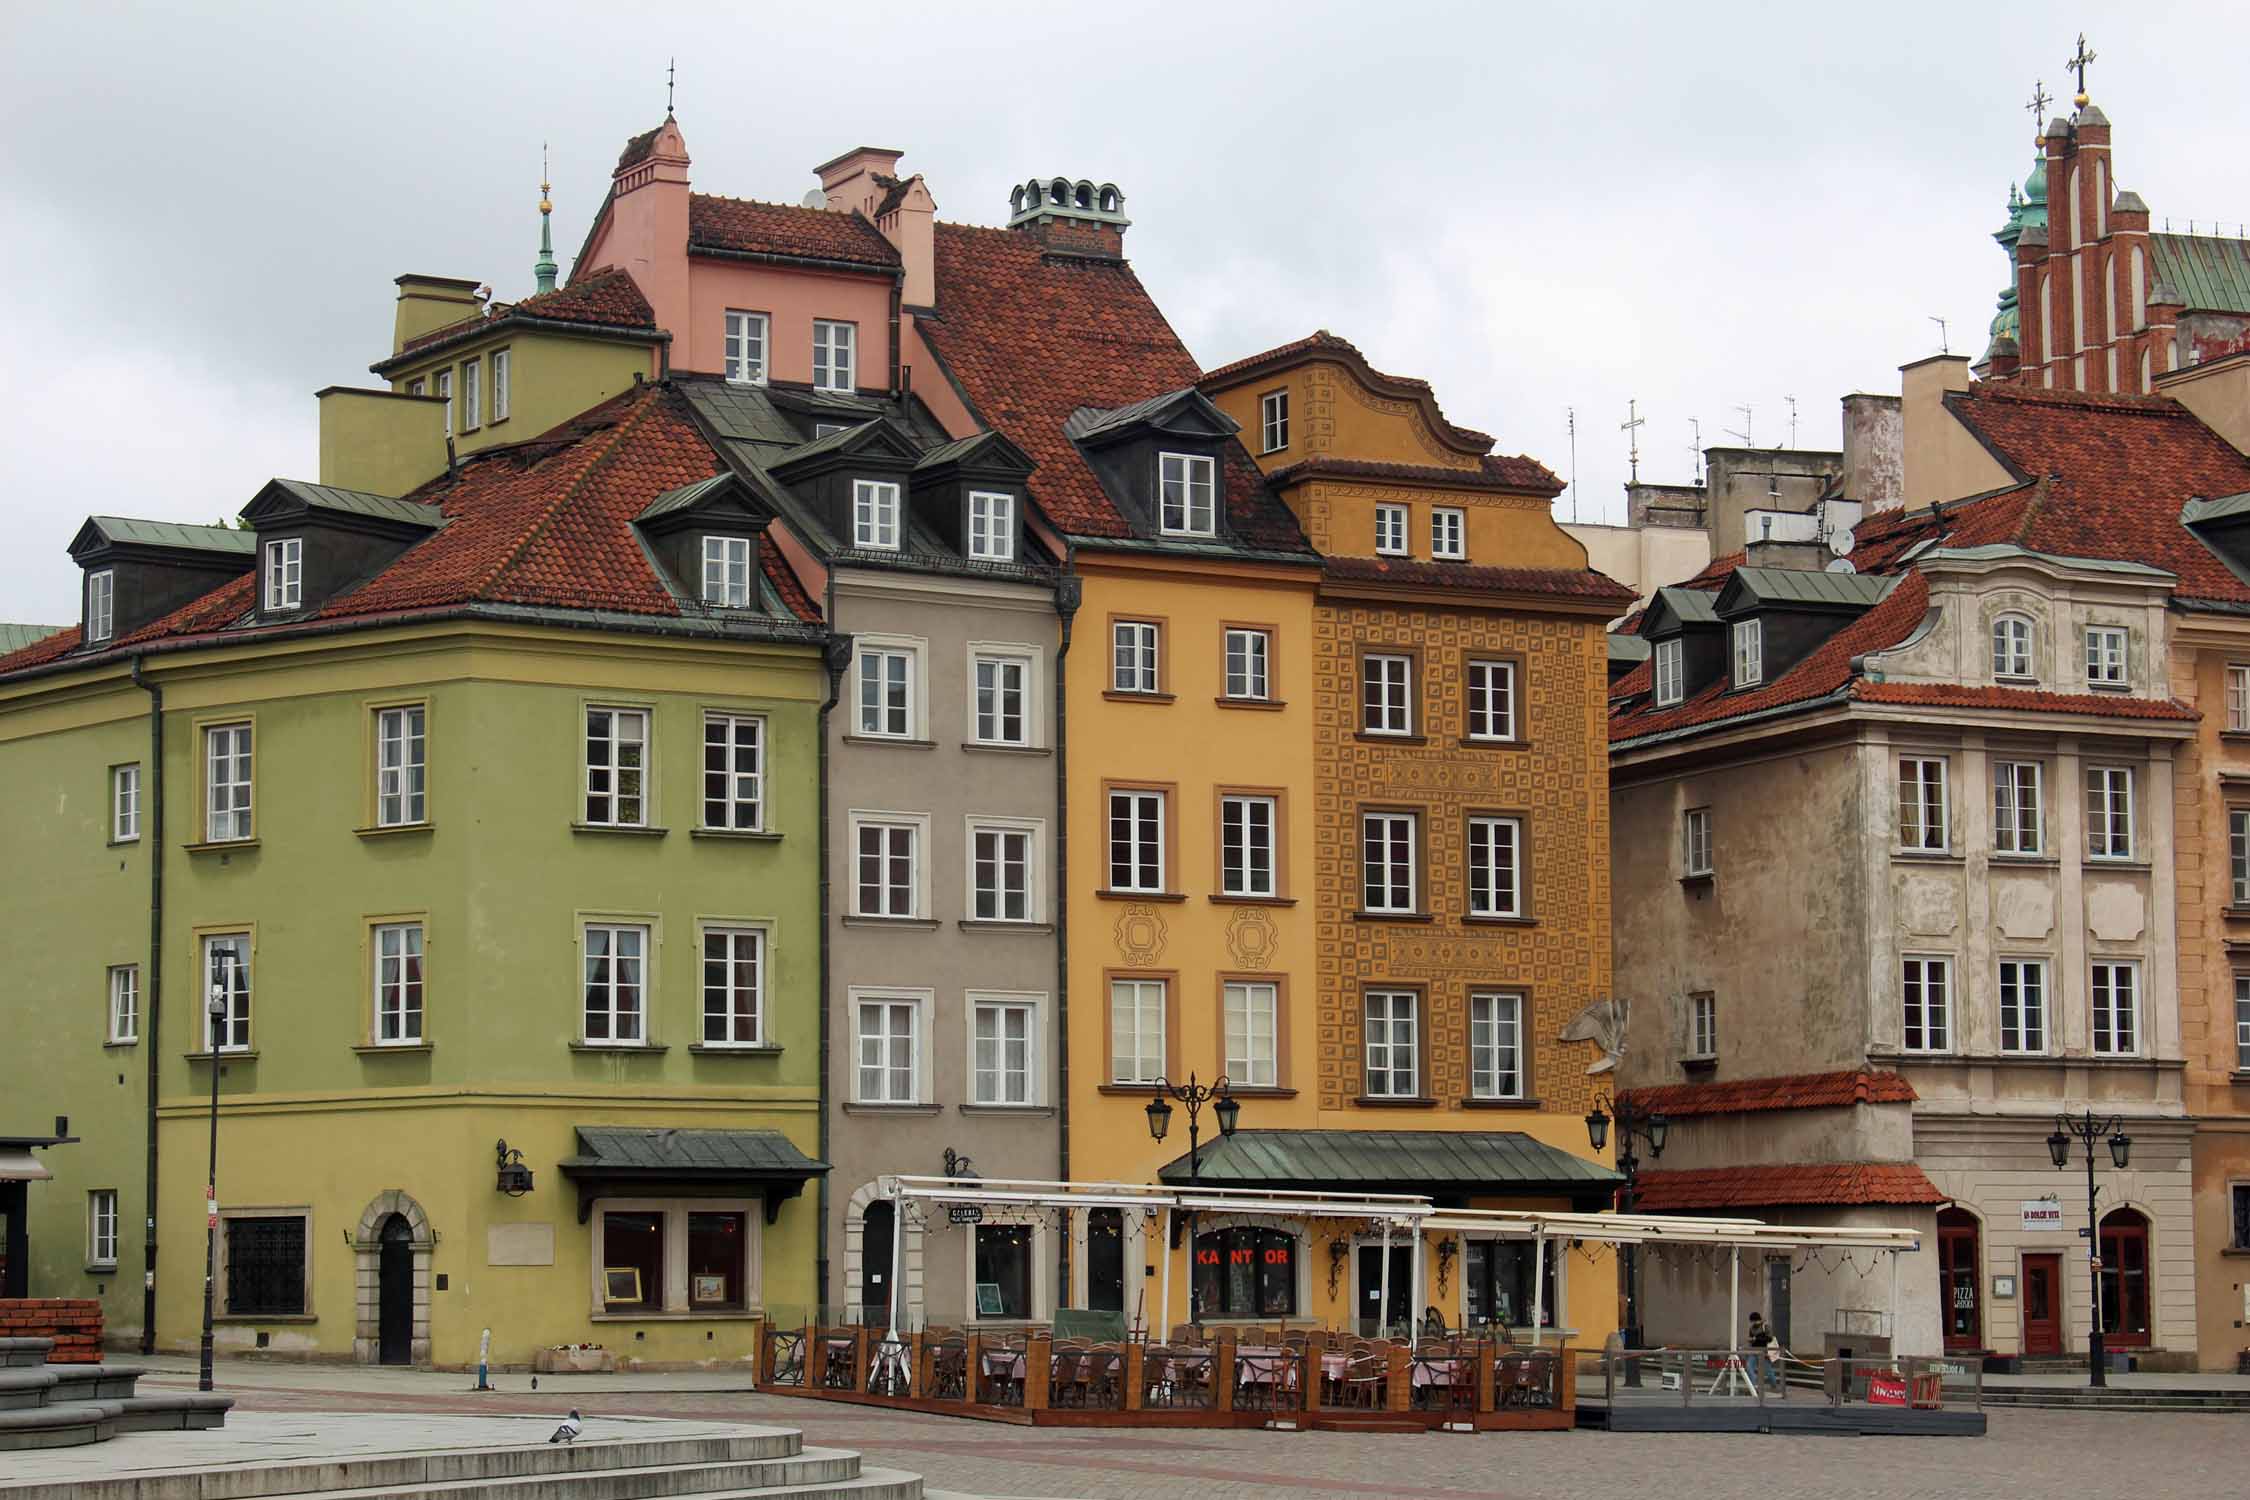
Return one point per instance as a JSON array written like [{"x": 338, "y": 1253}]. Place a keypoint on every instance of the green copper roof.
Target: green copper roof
[
  {"x": 331, "y": 497},
  {"x": 2210, "y": 273},
  {"x": 1803, "y": 586},
  {"x": 16, "y": 637},
  {"x": 1400, "y": 1161},
  {"x": 686, "y": 497},
  {"x": 126, "y": 530}
]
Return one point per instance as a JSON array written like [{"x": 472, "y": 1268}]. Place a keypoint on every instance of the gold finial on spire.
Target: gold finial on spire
[{"x": 545, "y": 206}]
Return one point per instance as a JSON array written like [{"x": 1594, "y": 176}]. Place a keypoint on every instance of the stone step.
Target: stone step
[
  {"x": 23, "y": 1386},
  {"x": 809, "y": 1466},
  {"x": 871, "y": 1484},
  {"x": 2114, "y": 1400},
  {"x": 174, "y": 1411},
  {"x": 17, "y": 1352},
  {"x": 94, "y": 1382},
  {"x": 64, "y": 1426}
]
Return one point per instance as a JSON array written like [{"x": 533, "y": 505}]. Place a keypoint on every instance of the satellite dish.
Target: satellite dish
[
  {"x": 1840, "y": 541},
  {"x": 815, "y": 198},
  {"x": 1840, "y": 565}
]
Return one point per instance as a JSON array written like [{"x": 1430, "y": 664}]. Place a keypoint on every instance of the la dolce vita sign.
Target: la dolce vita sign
[{"x": 2043, "y": 1214}]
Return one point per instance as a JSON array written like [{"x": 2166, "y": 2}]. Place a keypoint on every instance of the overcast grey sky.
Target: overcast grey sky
[{"x": 1534, "y": 207}]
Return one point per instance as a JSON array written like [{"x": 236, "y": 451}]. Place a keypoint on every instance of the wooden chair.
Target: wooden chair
[
  {"x": 1366, "y": 1377},
  {"x": 949, "y": 1371},
  {"x": 1098, "y": 1372},
  {"x": 1063, "y": 1388}
]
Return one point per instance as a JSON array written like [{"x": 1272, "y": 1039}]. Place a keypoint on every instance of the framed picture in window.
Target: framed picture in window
[
  {"x": 989, "y": 1302},
  {"x": 710, "y": 1288},
  {"x": 621, "y": 1284}
]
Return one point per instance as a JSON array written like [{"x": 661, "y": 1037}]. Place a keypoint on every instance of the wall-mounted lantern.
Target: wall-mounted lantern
[{"x": 515, "y": 1177}]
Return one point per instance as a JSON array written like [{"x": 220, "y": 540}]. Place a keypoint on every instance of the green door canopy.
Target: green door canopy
[
  {"x": 616, "y": 1159},
  {"x": 1444, "y": 1164}
]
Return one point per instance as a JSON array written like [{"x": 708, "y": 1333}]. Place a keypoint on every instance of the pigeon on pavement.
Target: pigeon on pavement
[{"x": 572, "y": 1425}]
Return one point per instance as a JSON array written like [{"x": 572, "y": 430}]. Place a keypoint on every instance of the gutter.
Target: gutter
[
  {"x": 839, "y": 655},
  {"x": 799, "y": 262},
  {"x": 152, "y": 1032},
  {"x": 1068, "y": 591},
  {"x": 647, "y": 333}
]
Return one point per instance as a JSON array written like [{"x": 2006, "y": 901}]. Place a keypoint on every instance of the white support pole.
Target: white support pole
[
  {"x": 1894, "y": 1304},
  {"x": 1538, "y": 1286},
  {"x": 1414, "y": 1289},
  {"x": 898, "y": 1261},
  {"x": 1734, "y": 1304},
  {"x": 1163, "y": 1327},
  {"x": 1383, "y": 1283}
]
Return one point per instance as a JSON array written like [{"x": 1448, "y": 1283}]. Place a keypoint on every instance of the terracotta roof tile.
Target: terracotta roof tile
[
  {"x": 609, "y": 297},
  {"x": 1572, "y": 583},
  {"x": 1783, "y": 1186},
  {"x": 1785, "y": 1091},
  {"x": 782, "y": 229},
  {"x": 1494, "y": 471},
  {"x": 1964, "y": 695}
]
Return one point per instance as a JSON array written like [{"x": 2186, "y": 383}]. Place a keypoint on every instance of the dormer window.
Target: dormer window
[
  {"x": 2105, "y": 656},
  {"x": 1749, "y": 654},
  {"x": 285, "y": 574},
  {"x": 726, "y": 572},
  {"x": 875, "y": 514},
  {"x": 1273, "y": 420},
  {"x": 746, "y": 347},
  {"x": 101, "y": 605},
  {"x": 834, "y": 346},
  {"x": 1668, "y": 679},
  {"x": 1449, "y": 533},
  {"x": 445, "y": 390},
  {"x": 1188, "y": 484},
  {"x": 992, "y": 526},
  {"x": 1390, "y": 530},
  {"x": 2011, "y": 646}
]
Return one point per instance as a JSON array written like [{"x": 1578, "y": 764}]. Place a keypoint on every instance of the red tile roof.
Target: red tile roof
[
  {"x": 1964, "y": 695},
  {"x": 1494, "y": 472},
  {"x": 1321, "y": 343},
  {"x": 783, "y": 229},
  {"x": 1030, "y": 337},
  {"x": 1786, "y": 1091},
  {"x": 1783, "y": 1186},
  {"x": 608, "y": 297},
  {"x": 1571, "y": 583}
]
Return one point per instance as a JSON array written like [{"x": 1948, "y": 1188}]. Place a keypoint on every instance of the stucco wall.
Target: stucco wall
[{"x": 1644, "y": 558}]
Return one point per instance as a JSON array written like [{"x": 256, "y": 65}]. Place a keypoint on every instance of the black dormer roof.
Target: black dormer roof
[{"x": 1185, "y": 413}]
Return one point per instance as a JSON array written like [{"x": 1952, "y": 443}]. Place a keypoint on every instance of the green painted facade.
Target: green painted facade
[{"x": 552, "y": 378}]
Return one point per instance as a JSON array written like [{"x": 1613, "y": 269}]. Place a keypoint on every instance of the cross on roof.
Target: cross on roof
[
  {"x": 2040, "y": 99},
  {"x": 2078, "y": 64}
]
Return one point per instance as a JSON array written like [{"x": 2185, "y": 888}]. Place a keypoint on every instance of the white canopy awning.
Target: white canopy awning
[{"x": 17, "y": 1164}]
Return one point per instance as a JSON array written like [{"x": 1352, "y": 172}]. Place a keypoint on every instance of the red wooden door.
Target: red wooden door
[{"x": 2042, "y": 1304}]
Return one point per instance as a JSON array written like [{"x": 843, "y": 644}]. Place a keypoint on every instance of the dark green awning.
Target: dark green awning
[
  {"x": 1445, "y": 1164},
  {"x": 614, "y": 1159}
]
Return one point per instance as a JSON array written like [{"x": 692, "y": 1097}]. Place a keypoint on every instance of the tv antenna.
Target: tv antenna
[
  {"x": 1792, "y": 400},
  {"x": 1695, "y": 425},
  {"x": 1944, "y": 344},
  {"x": 1631, "y": 426},
  {"x": 1744, "y": 435},
  {"x": 1570, "y": 420}
]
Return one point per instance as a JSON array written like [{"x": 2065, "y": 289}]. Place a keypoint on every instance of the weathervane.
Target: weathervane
[
  {"x": 2040, "y": 99},
  {"x": 2079, "y": 63},
  {"x": 1633, "y": 421},
  {"x": 671, "y": 63}
]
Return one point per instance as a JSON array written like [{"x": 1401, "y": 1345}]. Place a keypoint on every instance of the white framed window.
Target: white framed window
[
  {"x": 1249, "y": 663},
  {"x": 1387, "y": 861},
  {"x": 1136, "y": 840},
  {"x": 2019, "y": 824},
  {"x": 1495, "y": 1045},
  {"x": 734, "y": 986},
  {"x": 1749, "y": 653},
  {"x": 2238, "y": 856},
  {"x": 1449, "y": 533},
  {"x": 1390, "y": 530},
  {"x": 125, "y": 1003},
  {"x": 398, "y": 984},
  {"x": 1251, "y": 1012},
  {"x": 401, "y": 776},
  {"x": 285, "y": 573},
  {"x": 1921, "y": 804},
  {"x": 227, "y": 783},
  {"x": 1000, "y": 697},
  {"x": 416, "y": 387},
  {"x": 2023, "y": 1005},
  {"x": 2011, "y": 646},
  {"x": 1670, "y": 684},
  {"x": 1187, "y": 486},
  {"x": 1134, "y": 657},
  {"x": 1495, "y": 867},
  {"x": 2109, "y": 812},
  {"x": 1003, "y": 871},
  {"x": 887, "y": 690},
  {"x": 1386, "y": 692},
  {"x": 101, "y": 1227},
  {"x": 1695, "y": 841},
  {"x": 2105, "y": 656},
  {"x": 1492, "y": 700},
  {"x": 745, "y": 351},
  {"x": 616, "y": 767},
  {"x": 445, "y": 390},
  {"x": 1926, "y": 996},
  {"x": 226, "y": 973},
  {"x": 889, "y": 1048},
  {"x": 1393, "y": 1052},
  {"x": 1136, "y": 1030},
  {"x": 2238, "y": 700},
  {"x": 887, "y": 860},
  {"x": 1247, "y": 840},
  {"x": 124, "y": 804},
  {"x": 734, "y": 772},
  {"x": 472, "y": 394},
  {"x": 992, "y": 526},
  {"x": 1003, "y": 1051},
  {"x": 2242, "y": 1034},
  {"x": 875, "y": 514},
  {"x": 1703, "y": 1026},
  {"x": 1273, "y": 421},
  {"x": 726, "y": 572},
  {"x": 101, "y": 605},
  {"x": 500, "y": 382},
  {"x": 835, "y": 351},
  {"x": 616, "y": 1011},
  {"x": 2117, "y": 1009}
]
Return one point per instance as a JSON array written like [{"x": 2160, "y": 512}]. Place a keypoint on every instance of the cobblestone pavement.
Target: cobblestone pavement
[{"x": 2138, "y": 1455}]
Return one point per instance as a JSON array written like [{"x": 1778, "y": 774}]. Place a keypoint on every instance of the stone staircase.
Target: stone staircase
[
  {"x": 757, "y": 1464},
  {"x": 46, "y": 1405},
  {"x": 2117, "y": 1398}
]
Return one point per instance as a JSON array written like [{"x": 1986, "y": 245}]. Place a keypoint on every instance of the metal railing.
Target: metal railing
[{"x": 1753, "y": 1377}]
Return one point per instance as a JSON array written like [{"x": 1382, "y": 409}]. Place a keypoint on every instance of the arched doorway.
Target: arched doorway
[
  {"x": 877, "y": 1228},
  {"x": 1960, "y": 1294},
  {"x": 2125, "y": 1289},
  {"x": 394, "y": 1296}
]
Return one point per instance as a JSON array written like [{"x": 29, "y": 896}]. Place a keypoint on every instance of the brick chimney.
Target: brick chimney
[
  {"x": 864, "y": 181},
  {"x": 1079, "y": 218},
  {"x": 648, "y": 221}
]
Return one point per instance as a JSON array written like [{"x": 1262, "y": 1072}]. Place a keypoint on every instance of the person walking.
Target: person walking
[{"x": 1764, "y": 1367}]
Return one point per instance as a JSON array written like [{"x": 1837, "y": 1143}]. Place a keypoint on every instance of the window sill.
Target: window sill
[
  {"x": 974, "y": 924},
  {"x": 1114, "y": 696},
  {"x": 2109, "y": 687},
  {"x": 124, "y": 843},
  {"x": 2095, "y": 862},
  {"x": 629, "y": 830},
  {"x": 735, "y": 1049},
  {"x": 1217, "y": 898},
  {"x": 889, "y": 741},
  {"x": 1927, "y": 856},
  {"x": 386, "y": 1049},
  {"x": 2239, "y": 1077},
  {"x": 2237, "y": 735},
  {"x": 1392, "y": 1101},
  {"x": 1393, "y": 916},
  {"x": 109, "y": 1267},
  {"x": 2240, "y": 1251},
  {"x": 265, "y": 1318},
  {"x": 1384, "y": 737},
  {"x": 1701, "y": 882},
  {"x": 982, "y": 747},
  {"x": 1123, "y": 1090},
  {"x": 855, "y": 1108},
  {"x": 1474, "y": 1103},
  {"x": 744, "y": 835},
  {"x": 915, "y": 924},
  {"x": 118, "y": 1043},
  {"x": 1106, "y": 894},
  {"x": 1261, "y": 1091},
  {"x": 1025, "y": 1111},
  {"x": 1270, "y": 705},
  {"x": 2027, "y": 861},
  {"x": 229, "y": 1054},
  {"x": 2235, "y": 911},
  {"x": 1478, "y": 742},
  {"x": 714, "y": 1315},
  {"x": 1700, "y": 1064},
  {"x": 1475, "y": 919},
  {"x": 221, "y": 846},
  {"x": 392, "y": 830},
  {"x": 650, "y": 1049}
]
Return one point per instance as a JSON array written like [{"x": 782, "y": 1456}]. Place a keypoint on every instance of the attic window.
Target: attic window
[
  {"x": 1749, "y": 654},
  {"x": 1667, "y": 673},
  {"x": 992, "y": 526},
  {"x": 2011, "y": 646},
  {"x": 726, "y": 572},
  {"x": 285, "y": 573},
  {"x": 1273, "y": 420},
  {"x": 746, "y": 347},
  {"x": 1390, "y": 530},
  {"x": 875, "y": 514},
  {"x": 101, "y": 600},
  {"x": 1187, "y": 501}
]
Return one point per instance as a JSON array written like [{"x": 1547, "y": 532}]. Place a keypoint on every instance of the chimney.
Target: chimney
[
  {"x": 1874, "y": 451},
  {"x": 862, "y": 181},
  {"x": 2218, "y": 393},
  {"x": 648, "y": 222},
  {"x": 430, "y": 302},
  {"x": 1078, "y": 218}
]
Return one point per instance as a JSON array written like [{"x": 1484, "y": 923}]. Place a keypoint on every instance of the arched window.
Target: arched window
[
  {"x": 2046, "y": 318},
  {"x": 2101, "y": 198},
  {"x": 1015, "y": 201},
  {"x": 2125, "y": 1268},
  {"x": 1059, "y": 190},
  {"x": 1083, "y": 195},
  {"x": 1110, "y": 200},
  {"x": 2109, "y": 297},
  {"x": 2077, "y": 222},
  {"x": 1245, "y": 1272},
  {"x": 2140, "y": 291},
  {"x": 1960, "y": 1279},
  {"x": 2011, "y": 646}
]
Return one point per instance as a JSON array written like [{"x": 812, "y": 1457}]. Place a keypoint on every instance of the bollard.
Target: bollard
[{"x": 484, "y": 1362}]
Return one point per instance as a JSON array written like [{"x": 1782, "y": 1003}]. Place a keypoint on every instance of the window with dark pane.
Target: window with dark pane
[{"x": 266, "y": 1266}]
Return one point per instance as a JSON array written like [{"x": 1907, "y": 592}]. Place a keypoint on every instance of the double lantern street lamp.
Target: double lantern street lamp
[
  {"x": 2087, "y": 1130},
  {"x": 215, "y": 1026},
  {"x": 1228, "y": 1109},
  {"x": 1633, "y": 1124}
]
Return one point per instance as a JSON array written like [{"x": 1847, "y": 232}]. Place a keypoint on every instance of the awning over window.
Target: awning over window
[
  {"x": 622, "y": 1160},
  {"x": 1446, "y": 1164}
]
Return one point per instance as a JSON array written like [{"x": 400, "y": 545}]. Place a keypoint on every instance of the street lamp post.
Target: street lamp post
[
  {"x": 1633, "y": 1124},
  {"x": 1220, "y": 1096},
  {"x": 2087, "y": 1130},
  {"x": 215, "y": 1020}
]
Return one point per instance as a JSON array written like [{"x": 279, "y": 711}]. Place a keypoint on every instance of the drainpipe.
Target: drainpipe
[
  {"x": 898, "y": 295},
  {"x": 839, "y": 656},
  {"x": 152, "y": 1021},
  {"x": 1067, "y": 593}
]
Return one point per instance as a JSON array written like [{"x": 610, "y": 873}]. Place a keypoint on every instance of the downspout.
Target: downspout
[
  {"x": 839, "y": 655},
  {"x": 1067, "y": 594},
  {"x": 898, "y": 295},
  {"x": 152, "y": 1027}
]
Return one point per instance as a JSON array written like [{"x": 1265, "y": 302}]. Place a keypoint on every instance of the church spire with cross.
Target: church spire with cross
[{"x": 543, "y": 269}]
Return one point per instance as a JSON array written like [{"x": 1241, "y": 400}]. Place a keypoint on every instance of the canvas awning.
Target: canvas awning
[
  {"x": 17, "y": 1164},
  {"x": 1446, "y": 1164},
  {"x": 614, "y": 1159}
]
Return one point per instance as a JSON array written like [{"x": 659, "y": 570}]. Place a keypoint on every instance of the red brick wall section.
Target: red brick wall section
[{"x": 74, "y": 1323}]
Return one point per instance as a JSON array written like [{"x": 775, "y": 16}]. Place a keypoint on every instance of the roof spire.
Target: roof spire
[
  {"x": 670, "y": 64},
  {"x": 2078, "y": 63},
  {"x": 543, "y": 269},
  {"x": 2040, "y": 99}
]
